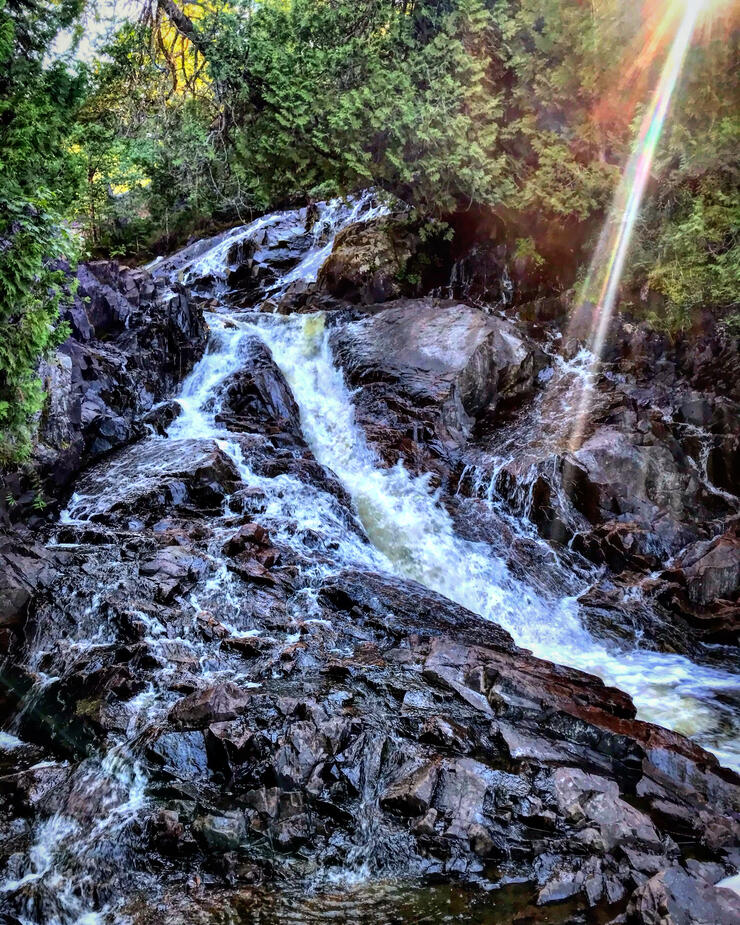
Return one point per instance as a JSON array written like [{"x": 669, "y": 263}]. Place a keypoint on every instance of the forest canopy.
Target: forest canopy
[{"x": 195, "y": 115}]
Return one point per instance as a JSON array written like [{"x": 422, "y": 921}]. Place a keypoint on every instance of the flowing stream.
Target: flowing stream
[{"x": 410, "y": 533}]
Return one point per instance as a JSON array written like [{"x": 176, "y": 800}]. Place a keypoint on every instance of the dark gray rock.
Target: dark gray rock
[
  {"x": 221, "y": 833},
  {"x": 674, "y": 897},
  {"x": 133, "y": 340},
  {"x": 427, "y": 369},
  {"x": 215, "y": 704}
]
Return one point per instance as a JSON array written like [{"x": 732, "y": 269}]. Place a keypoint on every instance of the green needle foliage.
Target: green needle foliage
[{"x": 37, "y": 183}]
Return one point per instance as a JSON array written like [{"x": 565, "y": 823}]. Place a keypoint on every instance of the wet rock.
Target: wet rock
[
  {"x": 369, "y": 261},
  {"x": 559, "y": 888},
  {"x": 150, "y": 480},
  {"x": 612, "y": 474},
  {"x": 257, "y": 399},
  {"x": 32, "y": 787},
  {"x": 228, "y": 744},
  {"x": 221, "y": 833},
  {"x": 172, "y": 570},
  {"x": 162, "y": 416},
  {"x": 411, "y": 794},
  {"x": 254, "y": 554},
  {"x": 427, "y": 369},
  {"x": 249, "y": 535},
  {"x": 25, "y": 568},
  {"x": 368, "y": 719},
  {"x": 674, "y": 897},
  {"x": 703, "y": 586},
  {"x": 215, "y": 704},
  {"x": 169, "y": 834},
  {"x": 133, "y": 340},
  {"x": 621, "y": 545},
  {"x": 475, "y": 750},
  {"x": 182, "y": 753},
  {"x": 597, "y": 800}
]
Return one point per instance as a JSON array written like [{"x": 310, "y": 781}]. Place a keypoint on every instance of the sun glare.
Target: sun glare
[{"x": 682, "y": 17}]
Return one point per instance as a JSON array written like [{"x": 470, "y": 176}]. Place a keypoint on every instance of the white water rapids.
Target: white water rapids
[{"x": 413, "y": 536}]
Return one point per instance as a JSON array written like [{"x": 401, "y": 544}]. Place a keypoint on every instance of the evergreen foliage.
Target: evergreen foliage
[{"x": 37, "y": 185}]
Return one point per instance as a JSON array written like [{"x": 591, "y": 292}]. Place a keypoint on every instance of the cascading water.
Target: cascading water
[
  {"x": 403, "y": 530},
  {"x": 416, "y": 536},
  {"x": 413, "y": 535}
]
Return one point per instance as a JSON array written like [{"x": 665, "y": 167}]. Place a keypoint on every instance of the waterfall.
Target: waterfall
[
  {"x": 415, "y": 534},
  {"x": 401, "y": 528},
  {"x": 411, "y": 533}
]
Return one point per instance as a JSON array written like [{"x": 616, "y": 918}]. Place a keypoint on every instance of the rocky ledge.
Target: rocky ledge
[{"x": 133, "y": 339}]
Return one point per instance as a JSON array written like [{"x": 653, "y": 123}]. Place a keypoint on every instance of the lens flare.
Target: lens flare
[{"x": 608, "y": 261}]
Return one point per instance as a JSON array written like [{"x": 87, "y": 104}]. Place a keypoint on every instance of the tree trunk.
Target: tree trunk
[{"x": 183, "y": 24}]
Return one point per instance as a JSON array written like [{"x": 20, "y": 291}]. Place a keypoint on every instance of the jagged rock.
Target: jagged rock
[
  {"x": 257, "y": 399},
  {"x": 369, "y": 261},
  {"x": 289, "y": 718},
  {"x": 412, "y": 792},
  {"x": 596, "y": 800},
  {"x": 172, "y": 570},
  {"x": 246, "y": 536},
  {"x": 132, "y": 341},
  {"x": 703, "y": 586},
  {"x": 221, "y": 833},
  {"x": 427, "y": 369},
  {"x": 674, "y": 897},
  {"x": 215, "y": 704},
  {"x": 24, "y": 569},
  {"x": 621, "y": 545}
]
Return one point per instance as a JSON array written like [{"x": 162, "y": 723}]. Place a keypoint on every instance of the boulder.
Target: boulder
[
  {"x": 257, "y": 399},
  {"x": 711, "y": 569},
  {"x": 411, "y": 793},
  {"x": 674, "y": 897},
  {"x": 427, "y": 369},
  {"x": 221, "y": 833},
  {"x": 146, "y": 481},
  {"x": 182, "y": 753},
  {"x": 369, "y": 261},
  {"x": 702, "y": 586},
  {"x": 215, "y": 704}
]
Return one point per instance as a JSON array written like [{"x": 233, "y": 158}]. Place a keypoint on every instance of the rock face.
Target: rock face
[
  {"x": 257, "y": 398},
  {"x": 369, "y": 261},
  {"x": 217, "y": 698},
  {"x": 675, "y": 897},
  {"x": 427, "y": 368},
  {"x": 464, "y": 756},
  {"x": 647, "y": 489},
  {"x": 133, "y": 339}
]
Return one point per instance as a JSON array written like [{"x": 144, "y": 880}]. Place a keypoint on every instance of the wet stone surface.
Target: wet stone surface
[{"x": 225, "y": 701}]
